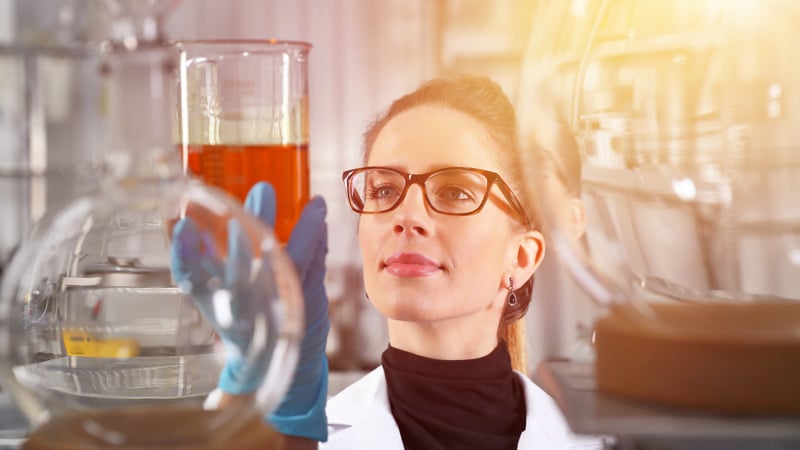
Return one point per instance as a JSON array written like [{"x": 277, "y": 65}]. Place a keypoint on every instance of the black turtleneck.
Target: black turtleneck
[{"x": 467, "y": 404}]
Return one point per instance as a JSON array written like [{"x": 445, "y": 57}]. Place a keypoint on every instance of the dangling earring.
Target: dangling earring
[{"x": 512, "y": 296}]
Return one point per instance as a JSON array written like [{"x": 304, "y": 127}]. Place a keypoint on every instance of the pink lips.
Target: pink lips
[{"x": 410, "y": 265}]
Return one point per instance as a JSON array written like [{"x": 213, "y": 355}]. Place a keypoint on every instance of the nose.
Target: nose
[{"x": 412, "y": 215}]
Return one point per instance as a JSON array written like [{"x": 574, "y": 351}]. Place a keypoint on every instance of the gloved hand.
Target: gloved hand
[
  {"x": 302, "y": 411},
  {"x": 194, "y": 262},
  {"x": 223, "y": 292}
]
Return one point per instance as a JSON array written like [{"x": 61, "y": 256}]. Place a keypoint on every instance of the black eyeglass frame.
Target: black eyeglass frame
[{"x": 421, "y": 178}]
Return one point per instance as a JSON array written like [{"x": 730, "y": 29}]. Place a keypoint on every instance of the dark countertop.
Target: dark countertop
[{"x": 636, "y": 425}]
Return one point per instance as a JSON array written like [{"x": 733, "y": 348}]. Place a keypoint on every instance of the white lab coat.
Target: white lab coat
[{"x": 359, "y": 418}]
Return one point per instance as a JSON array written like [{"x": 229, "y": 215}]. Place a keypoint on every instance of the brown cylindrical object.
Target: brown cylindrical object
[{"x": 741, "y": 358}]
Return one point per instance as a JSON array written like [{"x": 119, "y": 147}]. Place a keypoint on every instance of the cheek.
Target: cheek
[
  {"x": 487, "y": 262},
  {"x": 493, "y": 239},
  {"x": 368, "y": 243},
  {"x": 366, "y": 238},
  {"x": 484, "y": 263}
]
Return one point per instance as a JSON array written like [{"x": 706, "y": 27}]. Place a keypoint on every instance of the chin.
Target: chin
[
  {"x": 412, "y": 299},
  {"x": 397, "y": 309},
  {"x": 412, "y": 307}
]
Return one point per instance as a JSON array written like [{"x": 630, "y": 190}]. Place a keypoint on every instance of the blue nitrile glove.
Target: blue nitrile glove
[
  {"x": 302, "y": 411},
  {"x": 223, "y": 292}
]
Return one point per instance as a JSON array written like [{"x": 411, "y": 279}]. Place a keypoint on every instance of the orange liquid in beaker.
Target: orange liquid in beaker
[{"x": 236, "y": 168}]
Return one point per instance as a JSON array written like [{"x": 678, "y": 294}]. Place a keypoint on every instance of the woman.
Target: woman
[{"x": 449, "y": 255}]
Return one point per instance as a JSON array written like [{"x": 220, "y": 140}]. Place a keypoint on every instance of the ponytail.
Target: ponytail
[{"x": 514, "y": 336}]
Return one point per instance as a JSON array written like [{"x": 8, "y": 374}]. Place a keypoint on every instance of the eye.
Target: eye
[
  {"x": 383, "y": 192},
  {"x": 454, "y": 193},
  {"x": 455, "y": 197}
]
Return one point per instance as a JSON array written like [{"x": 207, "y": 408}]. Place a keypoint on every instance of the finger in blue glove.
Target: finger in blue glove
[
  {"x": 302, "y": 412},
  {"x": 223, "y": 293},
  {"x": 193, "y": 258}
]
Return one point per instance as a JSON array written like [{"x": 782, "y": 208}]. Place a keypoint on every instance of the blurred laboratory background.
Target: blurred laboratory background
[
  {"x": 364, "y": 54},
  {"x": 686, "y": 118}
]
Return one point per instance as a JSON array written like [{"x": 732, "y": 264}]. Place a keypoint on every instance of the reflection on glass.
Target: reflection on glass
[
  {"x": 685, "y": 115},
  {"x": 95, "y": 337}
]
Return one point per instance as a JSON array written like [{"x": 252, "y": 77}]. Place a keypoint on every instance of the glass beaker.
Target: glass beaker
[{"x": 244, "y": 119}]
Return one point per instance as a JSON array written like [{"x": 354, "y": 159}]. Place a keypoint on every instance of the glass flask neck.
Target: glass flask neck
[{"x": 141, "y": 104}]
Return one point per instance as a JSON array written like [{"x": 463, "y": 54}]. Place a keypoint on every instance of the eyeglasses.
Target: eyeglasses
[{"x": 456, "y": 191}]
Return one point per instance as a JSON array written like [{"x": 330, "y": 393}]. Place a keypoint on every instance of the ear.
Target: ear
[
  {"x": 577, "y": 217},
  {"x": 529, "y": 254}
]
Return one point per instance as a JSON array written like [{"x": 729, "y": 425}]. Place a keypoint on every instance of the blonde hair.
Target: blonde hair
[{"x": 514, "y": 336}]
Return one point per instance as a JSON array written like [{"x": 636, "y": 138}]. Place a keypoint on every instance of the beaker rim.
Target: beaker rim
[{"x": 272, "y": 42}]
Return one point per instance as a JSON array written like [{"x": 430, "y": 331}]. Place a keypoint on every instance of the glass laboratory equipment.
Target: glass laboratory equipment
[
  {"x": 244, "y": 119},
  {"x": 685, "y": 113},
  {"x": 98, "y": 346},
  {"x": 49, "y": 101}
]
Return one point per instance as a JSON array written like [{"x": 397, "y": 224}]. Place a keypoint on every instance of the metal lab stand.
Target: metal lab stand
[{"x": 634, "y": 425}]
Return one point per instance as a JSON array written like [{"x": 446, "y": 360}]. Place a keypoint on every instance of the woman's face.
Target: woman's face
[{"x": 423, "y": 266}]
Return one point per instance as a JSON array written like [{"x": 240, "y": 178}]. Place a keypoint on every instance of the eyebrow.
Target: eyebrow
[{"x": 433, "y": 168}]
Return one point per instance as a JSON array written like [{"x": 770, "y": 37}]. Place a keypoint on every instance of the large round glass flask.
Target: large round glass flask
[
  {"x": 685, "y": 114},
  {"x": 98, "y": 345}
]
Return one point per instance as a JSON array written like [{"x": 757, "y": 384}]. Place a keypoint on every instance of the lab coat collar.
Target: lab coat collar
[{"x": 360, "y": 416}]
